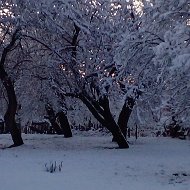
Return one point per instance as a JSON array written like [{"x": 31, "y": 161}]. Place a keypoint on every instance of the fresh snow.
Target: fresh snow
[{"x": 95, "y": 163}]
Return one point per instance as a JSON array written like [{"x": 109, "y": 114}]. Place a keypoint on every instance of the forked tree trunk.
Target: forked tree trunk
[
  {"x": 112, "y": 125},
  {"x": 64, "y": 124},
  {"x": 101, "y": 111}
]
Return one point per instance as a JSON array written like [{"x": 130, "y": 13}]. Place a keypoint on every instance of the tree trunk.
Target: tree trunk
[
  {"x": 136, "y": 131},
  {"x": 117, "y": 134},
  {"x": 52, "y": 119},
  {"x": 9, "y": 116},
  {"x": 64, "y": 123},
  {"x": 125, "y": 115},
  {"x": 112, "y": 126},
  {"x": 102, "y": 113}
]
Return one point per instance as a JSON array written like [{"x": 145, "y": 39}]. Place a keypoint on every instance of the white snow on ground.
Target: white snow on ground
[{"x": 94, "y": 163}]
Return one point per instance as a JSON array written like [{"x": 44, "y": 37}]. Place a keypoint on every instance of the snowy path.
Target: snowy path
[{"x": 92, "y": 163}]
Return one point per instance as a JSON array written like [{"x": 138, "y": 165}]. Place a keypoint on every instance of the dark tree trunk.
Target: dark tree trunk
[
  {"x": 136, "y": 131},
  {"x": 64, "y": 123},
  {"x": 116, "y": 132},
  {"x": 112, "y": 125},
  {"x": 102, "y": 113},
  {"x": 125, "y": 115},
  {"x": 52, "y": 119},
  {"x": 123, "y": 119},
  {"x": 9, "y": 116}
]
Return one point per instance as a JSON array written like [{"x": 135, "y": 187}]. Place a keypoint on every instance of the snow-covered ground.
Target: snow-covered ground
[{"x": 94, "y": 163}]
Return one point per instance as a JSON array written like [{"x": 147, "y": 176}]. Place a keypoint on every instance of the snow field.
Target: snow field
[{"x": 95, "y": 163}]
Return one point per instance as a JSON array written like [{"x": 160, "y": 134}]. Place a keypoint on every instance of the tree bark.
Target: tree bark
[
  {"x": 64, "y": 123},
  {"x": 102, "y": 113},
  {"x": 9, "y": 116},
  {"x": 52, "y": 119},
  {"x": 125, "y": 115},
  {"x": 112, "y": 125}
]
